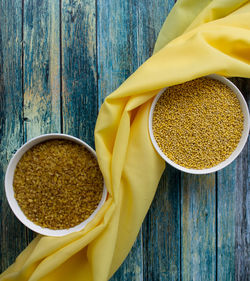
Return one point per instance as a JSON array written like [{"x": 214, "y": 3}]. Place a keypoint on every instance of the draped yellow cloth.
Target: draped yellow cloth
[{"x": 198, "y": 38}]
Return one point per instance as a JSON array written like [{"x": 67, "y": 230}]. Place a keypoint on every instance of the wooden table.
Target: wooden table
[{"x": 58, "y": 61}]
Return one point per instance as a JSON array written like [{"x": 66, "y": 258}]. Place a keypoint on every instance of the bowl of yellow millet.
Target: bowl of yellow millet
[
  {"x": 199, "y": 126},
  {"x": 54, "y": 185}
]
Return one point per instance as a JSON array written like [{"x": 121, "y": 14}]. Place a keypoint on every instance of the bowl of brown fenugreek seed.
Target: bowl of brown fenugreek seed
[
  {"x": 199, "y": 126},
  {"x": 54, "y": 185}
]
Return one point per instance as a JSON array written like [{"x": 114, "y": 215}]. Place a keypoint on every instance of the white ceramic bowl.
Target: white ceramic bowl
[
  {"x": 10, "y": 192},
  {"x": 235, "y": 153}
]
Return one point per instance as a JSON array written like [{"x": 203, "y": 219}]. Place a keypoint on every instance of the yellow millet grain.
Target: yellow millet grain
[
  {"x": 198, "y": 124},
  {"x": 58, "y": 184}
]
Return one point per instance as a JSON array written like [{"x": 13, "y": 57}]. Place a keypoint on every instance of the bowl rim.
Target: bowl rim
[
  {"x": 234, "y": 154},
  {"x": 9, "y": 191}
]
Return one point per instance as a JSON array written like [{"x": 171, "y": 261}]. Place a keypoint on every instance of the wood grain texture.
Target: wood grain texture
[
  {"x": 79, "y": 75},
  {"x": 242, "y": 198},
  {"x": 233, "y": 220},
  {"x": 161, "y": 230},
  {"x": 242, "y": 217},
  {"x": 126, "y": 34},
  {"x": 87, "y": 55},
  {"x": 226, "y": 222},
  {"x": 11, "y": 131},
  {"x": 234, "y": 212},
  {"x": 41, "y": 70},
  {"x": 198, "y": 227}
]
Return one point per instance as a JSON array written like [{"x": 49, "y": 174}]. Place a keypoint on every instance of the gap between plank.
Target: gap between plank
[
  {"x": 22, "y": 86},
  {"x": 216, "y": 226},
  {"x": 60, "y": 66},
  {"x": 99, "y": 102},
  {"x": 180, "y": 226},
  {"x": 22, "y": 67}
]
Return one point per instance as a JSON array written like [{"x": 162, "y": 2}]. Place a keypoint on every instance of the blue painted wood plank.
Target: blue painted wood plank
[
  {"x": 125, "y": 38},
  {"x": 79, "y": 75},
  {"x": 198, "y": 227},
  {"x": 11, "y": 131},
  {"x": 242, "y": 217},
  {"x": 242, "y": 198},
  {"x": 161, "y": 230},
  {"x": 226, "y": 222},
  {"x": 234, "y": 211},
  {"x": 41, "y": 69},
  {"x": 126, "y": 34}
]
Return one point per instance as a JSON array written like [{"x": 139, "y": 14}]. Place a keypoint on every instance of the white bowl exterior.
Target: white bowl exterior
[
  {"x": 10, "y": 192},
  {"x": 235, "y": 153}
]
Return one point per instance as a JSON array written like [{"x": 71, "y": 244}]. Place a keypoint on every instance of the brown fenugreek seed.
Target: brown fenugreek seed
[
  {"x": 198, "y": 124},
  {"x": 58, "y": 184}
]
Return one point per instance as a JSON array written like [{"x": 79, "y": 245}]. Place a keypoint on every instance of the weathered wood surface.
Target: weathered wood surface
[
  {"x": 233, "y": 211},
  {"x": 161, "y": 230},
  {"x": 198, "y": 227},
  {"x": 12, "y": 232},
  {"x": 79, "y": 71},
  {"x": 58, "y": 61}
]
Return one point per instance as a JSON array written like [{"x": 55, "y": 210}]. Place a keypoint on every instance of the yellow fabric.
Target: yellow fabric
[{"x": 198, "y": 38}]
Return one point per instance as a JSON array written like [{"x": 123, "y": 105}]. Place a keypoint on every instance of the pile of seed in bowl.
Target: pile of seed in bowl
[
  {"x": 198, "y": 124},
  {"x": 58, "y": 184}
]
